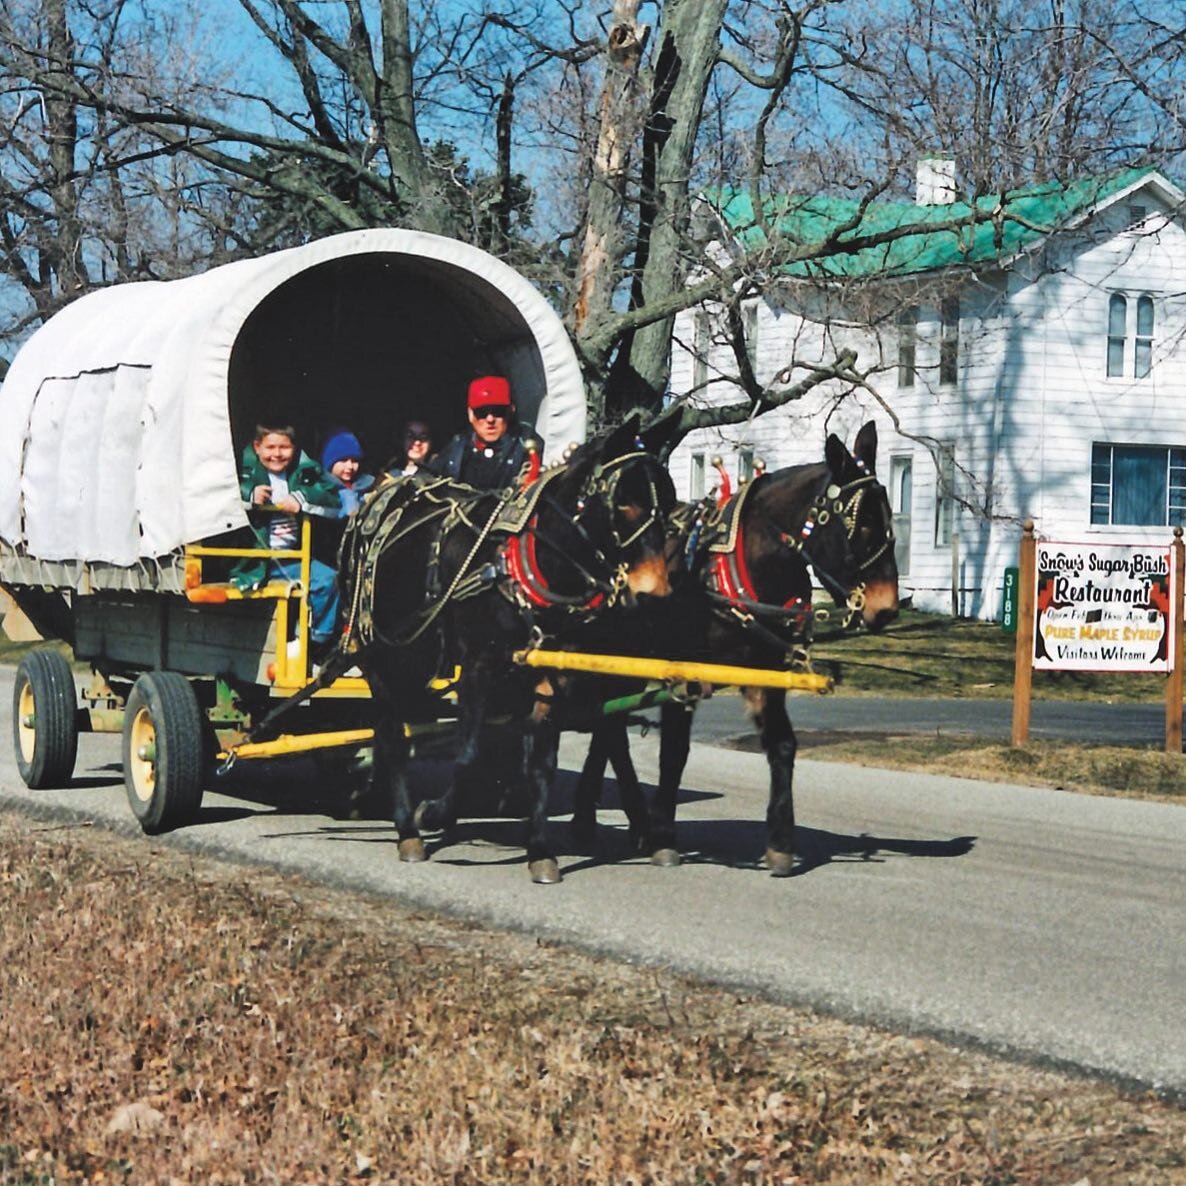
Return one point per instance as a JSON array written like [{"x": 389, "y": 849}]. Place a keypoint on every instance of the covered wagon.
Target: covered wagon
[{"x": 121, "y": 423}]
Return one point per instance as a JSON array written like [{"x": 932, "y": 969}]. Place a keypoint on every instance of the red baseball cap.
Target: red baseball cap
[{"x": 489, "y": 389}]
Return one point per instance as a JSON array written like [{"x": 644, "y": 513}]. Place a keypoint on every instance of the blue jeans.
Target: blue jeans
[{"x": 322, "y": 592}]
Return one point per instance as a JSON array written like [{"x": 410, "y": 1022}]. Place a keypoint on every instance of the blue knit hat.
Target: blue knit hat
[{"x": 341, "y": 445}]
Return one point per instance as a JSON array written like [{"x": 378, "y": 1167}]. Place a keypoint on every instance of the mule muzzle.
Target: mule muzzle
[
  {"x": 881, "y": 605},
  {"x": 649, "y": 578}
]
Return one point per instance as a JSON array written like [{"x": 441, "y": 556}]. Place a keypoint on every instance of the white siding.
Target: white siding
[{"x": 1032, "y": 394}]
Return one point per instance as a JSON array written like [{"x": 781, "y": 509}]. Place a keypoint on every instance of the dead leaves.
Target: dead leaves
[
  {"x": 202, "y": 1032},
  {"x": 135, "y": 1119}
]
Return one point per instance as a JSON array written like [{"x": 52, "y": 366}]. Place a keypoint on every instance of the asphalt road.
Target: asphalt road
[{"x": 1039, "y": 923}]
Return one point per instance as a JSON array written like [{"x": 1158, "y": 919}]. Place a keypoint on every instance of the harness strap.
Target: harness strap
[
  {"x": 734, "y": 589},
  {"x": 522, "y": 566}
]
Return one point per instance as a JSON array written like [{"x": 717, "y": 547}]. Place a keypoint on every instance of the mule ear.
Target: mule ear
[
  {"x": 837, "y": 456},
  {"x": 661, "y": 435},
  {"x": 622, "y": 438},
  {"x": 865, "y": 449}
]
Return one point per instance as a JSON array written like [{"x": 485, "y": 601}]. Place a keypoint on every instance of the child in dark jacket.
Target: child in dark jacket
[{"x": 275, "y": 473}]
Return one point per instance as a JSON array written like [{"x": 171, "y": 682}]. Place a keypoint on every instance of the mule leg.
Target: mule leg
[
  {"x": 390, "y": 774},
  {"x": 769, "y": 709},
  {"x": 634, "y": 802},
  {"x": 674, "y": 745},
  {"x": 588, "y": 792},
  {"x": 471, "y": 710},
  {"x": 541, "y": 742}
]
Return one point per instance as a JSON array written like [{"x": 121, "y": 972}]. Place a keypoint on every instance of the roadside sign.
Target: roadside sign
[
  {"x": 1009, "y": 601},
  {"x": 1103, "y": 607}
]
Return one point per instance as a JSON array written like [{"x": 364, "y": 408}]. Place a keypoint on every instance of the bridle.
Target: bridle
[
  {"x": 603, "y": 482},
  {"x": 530, "y": 587},
  {"x": 840, "y": 505}
]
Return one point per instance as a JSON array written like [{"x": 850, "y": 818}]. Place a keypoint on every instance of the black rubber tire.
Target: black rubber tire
[
  {"x": 164, "y": 751},
  {"x": 44, "y": 694}
]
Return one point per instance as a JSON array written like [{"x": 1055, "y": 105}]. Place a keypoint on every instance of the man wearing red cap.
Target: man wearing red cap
[{"x": 491, "y": 456}]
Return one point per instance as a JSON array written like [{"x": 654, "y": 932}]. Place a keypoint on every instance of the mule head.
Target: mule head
[
  {"x": 617, "y": 496},
  {"x": 852, "y": 540}
]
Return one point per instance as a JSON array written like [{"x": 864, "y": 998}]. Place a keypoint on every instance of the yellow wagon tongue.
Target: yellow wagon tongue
[{"x": 673, "y": 669}]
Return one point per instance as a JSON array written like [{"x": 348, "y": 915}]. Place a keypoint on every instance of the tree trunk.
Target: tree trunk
[
  {"x": 64, "y": 255},
  {"x": 395, "y": 114},
  {"x": 602, "y": 249},
  {"x": 611, "y": 158},
  {"x": 501, "y": 231},
  {"x": 684, "y": 61}
]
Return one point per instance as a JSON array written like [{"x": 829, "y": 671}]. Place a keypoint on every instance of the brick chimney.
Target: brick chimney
[{"x": 935, "y": 181}]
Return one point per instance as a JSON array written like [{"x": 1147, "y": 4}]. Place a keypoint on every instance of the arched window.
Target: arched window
[
  {"x": 1117, "y": 332},
  {"x": 1143, "y": 348},
  {"x": 1136, "y": 359}
]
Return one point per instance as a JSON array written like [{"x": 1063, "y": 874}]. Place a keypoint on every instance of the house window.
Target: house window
[
  {"x": 944, "y": 495},
  {"x": 745, "y": 465},
  {"x": 907, "y": 346},
  {"x": 1143, "y": 346},
  {"x": 749, "y": 316},
  {"x": 901, "y": 495},
  {"x": 949, "y": 341},
  {"x": 1138, "y": 485},
  {"x": 1137, "y": 359},
  {"x": 700, "y": 347},
  {"x": 696, "y": 479}
]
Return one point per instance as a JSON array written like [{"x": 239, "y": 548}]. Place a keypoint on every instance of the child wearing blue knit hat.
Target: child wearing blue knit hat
[{"x": 341, "y": 458}]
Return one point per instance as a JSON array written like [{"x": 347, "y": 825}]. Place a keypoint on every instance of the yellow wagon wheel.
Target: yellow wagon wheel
[
  {"x": 45, "y": 720},
  {"x": 164, "y": 751}
]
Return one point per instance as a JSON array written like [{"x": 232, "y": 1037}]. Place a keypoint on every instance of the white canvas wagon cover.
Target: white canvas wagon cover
[{"x": 122, "y": 418}]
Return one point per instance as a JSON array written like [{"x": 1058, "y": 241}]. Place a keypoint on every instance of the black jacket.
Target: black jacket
[{"x": 464, "y": 461}]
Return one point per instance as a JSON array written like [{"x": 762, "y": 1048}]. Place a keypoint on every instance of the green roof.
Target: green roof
[{"x": 808, "y": 222}]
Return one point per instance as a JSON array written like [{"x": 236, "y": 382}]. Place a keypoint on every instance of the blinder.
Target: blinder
[{"x": 604, "y": 481}]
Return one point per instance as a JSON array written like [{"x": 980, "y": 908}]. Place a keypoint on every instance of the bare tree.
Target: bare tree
[
  {"x": 87, "y": 199},
  {"x": 1022, "y": 92},
  {"x": 378, "y": 112}
]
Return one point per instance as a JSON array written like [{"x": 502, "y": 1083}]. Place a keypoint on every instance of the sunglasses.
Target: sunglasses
[{"x": 489, "y": 410}]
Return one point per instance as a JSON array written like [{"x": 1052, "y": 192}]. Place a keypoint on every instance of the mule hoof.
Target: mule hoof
[
  {"x": 413, "y": 851},
  {"x": 544, "y": 872},
  {"x": 426, "y": 817},
  {"x": 780, "y": 864},
  {"x": 666, "y": 858}
]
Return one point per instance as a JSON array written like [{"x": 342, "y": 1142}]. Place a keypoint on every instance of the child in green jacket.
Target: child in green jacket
[{"x": 275, "y": 473}]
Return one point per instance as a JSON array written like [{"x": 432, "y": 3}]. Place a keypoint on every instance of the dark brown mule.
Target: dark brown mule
[
  {"x": 450, "y": 574},
  {"x": 749, "y": 603}
]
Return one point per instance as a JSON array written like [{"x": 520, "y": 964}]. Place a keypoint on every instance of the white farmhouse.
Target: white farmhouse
[{"x": 1027, "y": 365}]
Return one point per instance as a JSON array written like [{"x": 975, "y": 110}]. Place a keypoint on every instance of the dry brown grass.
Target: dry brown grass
[
  {"x": 1127, "y": 771},
  {"x": 167, "y": 1019}
]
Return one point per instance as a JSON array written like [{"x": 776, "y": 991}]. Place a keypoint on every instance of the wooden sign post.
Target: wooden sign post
[
  {"x": 1023, "y": 653},
  {"x": 1173, "y": 685}
]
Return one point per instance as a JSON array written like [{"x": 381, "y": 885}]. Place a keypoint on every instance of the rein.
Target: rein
[
  {"x": 716, "y": 528},
  {"x": 439, "y": 505},
  {"x": 733, "y": 589}
]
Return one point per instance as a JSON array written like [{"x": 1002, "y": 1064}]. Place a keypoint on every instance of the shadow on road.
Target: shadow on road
[{"x": 490, "y": 823}]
